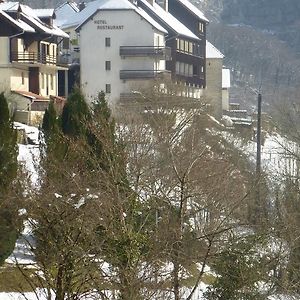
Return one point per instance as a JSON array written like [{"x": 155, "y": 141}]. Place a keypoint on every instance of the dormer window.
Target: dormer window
[{"x": 201, "y": 27}]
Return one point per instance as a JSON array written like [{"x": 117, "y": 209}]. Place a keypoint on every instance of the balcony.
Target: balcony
[
  {"x": 146, "y": 51},
  {"x": 32, "y": 58},
  {"x": 143, "y": 74}
]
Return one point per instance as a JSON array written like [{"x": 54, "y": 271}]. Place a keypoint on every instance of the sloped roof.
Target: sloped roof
[
  {"x": 31, "y": 95},
  {"x": 44, "y": 13},
  {"x": 64, "y": 12},
  {"x": 212, "y": 51},
  {"x": 80, "y": 18},
  {"x": 169, "y": 20},
  {"x": 193, "y": 9},
  {"x": 226, "y": 78},
  {"x": 18, "y": 23},
  {"x": 30, "y": 17},
  {"x": 91, "y": 8}
]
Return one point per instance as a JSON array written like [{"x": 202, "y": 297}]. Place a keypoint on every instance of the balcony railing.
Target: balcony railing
[
  {"x": 144, "y": 51},
  {"x": 143, "y": 74},
  {"x": 33, "y": 58}
]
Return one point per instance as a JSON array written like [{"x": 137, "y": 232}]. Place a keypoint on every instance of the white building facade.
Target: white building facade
[{"x": 127, "y": 49}]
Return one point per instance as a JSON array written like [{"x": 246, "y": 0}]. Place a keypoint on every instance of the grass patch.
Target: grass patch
[{"x": 12, "y": 280}]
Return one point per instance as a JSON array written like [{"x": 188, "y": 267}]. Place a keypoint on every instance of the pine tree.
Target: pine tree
[
  {"x": 8, "y": 172},
  {"x": 8, "y": 147}
]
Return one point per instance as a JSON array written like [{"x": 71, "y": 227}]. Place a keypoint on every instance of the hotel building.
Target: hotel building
[{"x": 124, "y": 45}]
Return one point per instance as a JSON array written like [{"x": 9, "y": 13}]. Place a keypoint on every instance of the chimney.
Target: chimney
[{"x": 82, "y": 6}]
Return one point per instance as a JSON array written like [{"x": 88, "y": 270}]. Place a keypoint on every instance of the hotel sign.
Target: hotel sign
[{"x": 102, "y": 25}]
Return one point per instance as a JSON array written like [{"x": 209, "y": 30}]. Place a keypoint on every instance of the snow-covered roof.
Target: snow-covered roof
[
  {"x": 226, "y": 78},
  {"x": 143, "y": 14},
  {"x": 80, "y": 18},
  {"x": 91, "y": 8},
  {"x": 19, "y": 23},
  {"x": 169, "y": 20},
  {"x": 64, "y": 12},
  {"x": 212, "y": 51},
  {"x": 192, "y": 8},
  {"x": 44, "y": 12},
  {"x": 30, "y": 17}
]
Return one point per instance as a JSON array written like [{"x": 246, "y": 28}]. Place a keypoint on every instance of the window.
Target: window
[
  {"x": 23, "y": 79},
  {"x": 107, "y": 65},
  {"x": 182, "y": 45},
  {"x": 186, "y": 46},
  {"x": 177, "y": 67},
  {"x": 191, "y": 47},
  {"x": 201, "y": 27},
  {"x": 178, "y": 44},
  {"x": 43, "y": 80},
  {"x": 51, "y": 81},
  {"x": 107, "y": 88},
  {"x": 107, "y": 42}
]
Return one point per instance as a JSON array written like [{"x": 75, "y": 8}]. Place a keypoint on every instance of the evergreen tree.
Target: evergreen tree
[
  {"x": 50, "y": 121},
  {"x": 101, "y": 132},
  {"x": 8, "y": 172},
  {"x": 8, "y": 147},
  {"x": 75, "y": 115}
]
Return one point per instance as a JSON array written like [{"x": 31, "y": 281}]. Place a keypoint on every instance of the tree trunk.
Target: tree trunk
[{"x": 59, "y": 284}]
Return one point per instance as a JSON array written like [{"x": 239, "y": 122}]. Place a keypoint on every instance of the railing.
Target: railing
[
  {"x": 32, "y": 57},
  {"x": 164, "y": 52},
  {"x": 142, "y": 74},
  {"x": 63, "y": 60}
]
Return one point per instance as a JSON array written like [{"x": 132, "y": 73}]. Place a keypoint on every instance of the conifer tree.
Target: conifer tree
[
  {"x": 75, "y": 115},
  {"x": 8, "y": 172},
  {"x": 50, "y": 120},
  {"x": 8, "y": 146}
]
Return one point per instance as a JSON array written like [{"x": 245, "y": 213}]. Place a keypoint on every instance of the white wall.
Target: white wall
[
  {"x": 16, "y": 82},
  {"x": 213, "y": 91},
  {"x": 93, "y": 52},
  {"x": 4, "y": 50}
]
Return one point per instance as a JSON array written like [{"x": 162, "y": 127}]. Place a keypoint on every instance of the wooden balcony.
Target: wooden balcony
[
  {"x": 143, "y": 74},
  {"x": 146, "y": 51},
  {"x": 32, "y": 58}
]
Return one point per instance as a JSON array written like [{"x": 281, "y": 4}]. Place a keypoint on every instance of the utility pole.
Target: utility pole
[
  {"x": 258, "y": 137},
  {"x": 259, "y": 207}
]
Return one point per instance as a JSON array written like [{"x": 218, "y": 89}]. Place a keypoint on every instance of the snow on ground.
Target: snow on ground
[
  {"x": 29, "y": 154},
  {"x": 22, "y": 253},
  {"x": 276, "y": 153}
]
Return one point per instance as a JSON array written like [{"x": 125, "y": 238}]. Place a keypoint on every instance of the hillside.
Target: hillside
[{"x": 261, "y": 42}]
